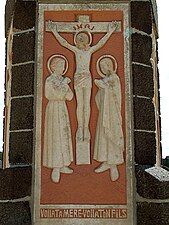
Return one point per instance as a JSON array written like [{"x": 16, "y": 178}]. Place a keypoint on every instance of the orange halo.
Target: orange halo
[
  {"x": 57, "y": 56},
  {"x": 98, "y": 64}
]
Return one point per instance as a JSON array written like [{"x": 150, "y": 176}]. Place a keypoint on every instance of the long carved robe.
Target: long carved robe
[
  {"x": 109, "y": 140},
  {"x": 57, "y": 136}
]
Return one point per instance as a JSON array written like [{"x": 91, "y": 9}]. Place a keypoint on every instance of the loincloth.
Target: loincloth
[{"x": 82, "y": 80}]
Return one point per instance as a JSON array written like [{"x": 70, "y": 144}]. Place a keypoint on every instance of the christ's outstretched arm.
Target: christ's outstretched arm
[
  {"x": 52, "y": 27},
  {"x": 111, "y": 28}
]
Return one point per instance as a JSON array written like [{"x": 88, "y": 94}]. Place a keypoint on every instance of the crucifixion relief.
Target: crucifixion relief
[{"x": 83, "y": 51}]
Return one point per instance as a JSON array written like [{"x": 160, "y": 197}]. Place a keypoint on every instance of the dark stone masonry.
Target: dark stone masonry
[{"x": 16, "y": 181}]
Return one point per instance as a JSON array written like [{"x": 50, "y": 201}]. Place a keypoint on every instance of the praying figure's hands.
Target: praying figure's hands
[
  {"x": 100, "y": 83},
  {"x": 50, "y": 26},
  {"x": 66, "y": 80},
  {"x": 112, "y": 26}
]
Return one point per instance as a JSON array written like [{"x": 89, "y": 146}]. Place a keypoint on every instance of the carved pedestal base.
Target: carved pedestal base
[{"x": 82, "y": 152}]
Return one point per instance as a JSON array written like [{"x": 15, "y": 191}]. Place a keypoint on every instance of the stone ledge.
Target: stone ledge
[
  {"x": 17, "y": 213},
  {"x": 152, "y": 213},
  {"x": 82, "y": 1},
  {"x": 15, "y": 183},
  {"x": 152, "y": 183}
]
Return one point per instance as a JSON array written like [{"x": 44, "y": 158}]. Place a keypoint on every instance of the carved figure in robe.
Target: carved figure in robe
[
  {"x": 57, "y": 153},
  {"x": 109, "y": 140},
  {"x": 82, "y": 77}
]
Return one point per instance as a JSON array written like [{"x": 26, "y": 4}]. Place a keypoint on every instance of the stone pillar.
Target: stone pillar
[
  {"x": 152, "y": 180},
  {"x": 145, "y": 188},
  {"x": 16, "y": 177}
]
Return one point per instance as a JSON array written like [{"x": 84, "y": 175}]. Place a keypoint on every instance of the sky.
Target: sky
[{"x": 163, "y": 41}]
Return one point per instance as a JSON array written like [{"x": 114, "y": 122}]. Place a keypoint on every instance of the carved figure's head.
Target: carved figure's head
[
  {"x": 82, "y": 39},
  {"x": 58, "y": 64},
  {"x": 106, "y": 65}
]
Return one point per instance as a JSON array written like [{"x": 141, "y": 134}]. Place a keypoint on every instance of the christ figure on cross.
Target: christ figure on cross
[{"x": 82, "y": 78}]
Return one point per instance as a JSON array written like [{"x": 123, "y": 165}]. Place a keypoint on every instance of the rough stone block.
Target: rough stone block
[
  {"x": 141, "y": 16},
  {"x": 152, "y": 213},
  {"x": 143, "y": 81},
  {"x": 22, "y": 80},
  {"x": 15, "y": 182},
  {"x": 144, "y": 118},
  {"x": 5, "y": 184},
  {"x": 145, "y": 148},
  {"x": 25, "y": 15},
  {"x": 20, "y": 148},
  {"x": 23, "y": 47},
  {"x": 22, "y": 180},
  {"x": 141, "y": 49},
  {"x": 152, "y": 183},
  {"x": 21, "y": 113},
  {"x": 17, "y": 213}
]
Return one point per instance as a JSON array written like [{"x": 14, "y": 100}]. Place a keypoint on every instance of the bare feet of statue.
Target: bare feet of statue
[
  {"x": 66, "y": 169},
  {"x": 55, "y": 176},
  {"x": 102, "y": 167},
  {"x": 86, "y": 134},
  {"x": 114, "y": 173},
  {"x": 79, "y": 134}
]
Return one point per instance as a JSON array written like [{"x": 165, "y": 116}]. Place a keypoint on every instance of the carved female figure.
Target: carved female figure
[
  {"x": 109, "y": 141},
  {"x": 57, "y": 152}
]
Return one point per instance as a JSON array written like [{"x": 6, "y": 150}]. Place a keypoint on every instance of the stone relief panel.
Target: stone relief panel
[
  {"x": 109, "y": 140},
  {"x": 58, "y": 153},
  {"x": 82, "y": 77},
  {"x": 83, "y": 141}
]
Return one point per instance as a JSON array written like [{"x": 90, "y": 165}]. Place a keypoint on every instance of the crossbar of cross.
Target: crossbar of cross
[{"x": 84, "y": 24}]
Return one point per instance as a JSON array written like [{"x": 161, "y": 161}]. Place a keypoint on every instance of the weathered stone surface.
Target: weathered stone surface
[
  {"x": 141, "y": 16},
  {"x": 145, "y": 148},
  {"x": 25, "y": 15},
  {"x": 22, "y": 80},
  {"x": 20, "y": 147},
  {"x": 155, "y": 13},
  {"x": 15, "y": 182},
  {"x": 17, "y": 213},
  {"x": 144, "y": 117},
  {"x": 21, "y": 113},
  {"x": 23, "y": 47},
  {"x": 9, "y": 11},
  {"x": 152, "y": 186},
  {"x": 143, "y": 81},
  {"x": 152, "y": 213},
  {"x": 141, "y": 49}
]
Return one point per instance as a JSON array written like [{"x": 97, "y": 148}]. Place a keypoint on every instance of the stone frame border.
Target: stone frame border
[{"x": 36, "y": 180}]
